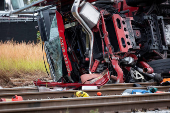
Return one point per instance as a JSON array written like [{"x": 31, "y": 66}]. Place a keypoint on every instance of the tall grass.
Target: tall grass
[{"x": 21, "y": 58}]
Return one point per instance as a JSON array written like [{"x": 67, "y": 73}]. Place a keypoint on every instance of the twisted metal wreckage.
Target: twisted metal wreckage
[{"x": 94, "y": 42}]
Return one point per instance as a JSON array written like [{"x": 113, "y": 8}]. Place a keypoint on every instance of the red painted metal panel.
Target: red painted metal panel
[
  {"x": 113, "y": 58},
  {"x": 61, "y": 30},
  {"x": 95, "y": 66},
  {"x": 126, "y": 7},
  {"x": 119, "y": 29}
]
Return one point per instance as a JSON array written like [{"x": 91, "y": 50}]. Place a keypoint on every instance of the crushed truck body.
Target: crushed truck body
[{"x": 94, "y": 42}]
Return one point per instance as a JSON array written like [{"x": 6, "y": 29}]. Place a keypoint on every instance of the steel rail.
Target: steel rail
[
  {"x": 78, "y": 101},
  {"x": 69, "y": 93},
  {"x": 35, "y": 89},
  {"x": 125, "y": 85},
  {"x": 18, "y": 90},
  {"x": 102, "y": 107},
  {"x": 143, "y": 110}
]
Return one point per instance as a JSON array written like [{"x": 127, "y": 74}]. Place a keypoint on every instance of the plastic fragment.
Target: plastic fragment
[{"x": 81, "y": 94}]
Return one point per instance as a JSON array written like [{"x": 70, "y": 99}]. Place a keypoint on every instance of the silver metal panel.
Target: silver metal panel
[
  {"x": 167, "y": 34},
  {"x": 89, "y": 14}
]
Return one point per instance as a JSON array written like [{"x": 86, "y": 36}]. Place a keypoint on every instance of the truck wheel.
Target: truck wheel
[{"x": 160, "y": 66}]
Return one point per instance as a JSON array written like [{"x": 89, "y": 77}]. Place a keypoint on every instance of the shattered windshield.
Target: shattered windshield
[{"x": 54, "y": 48}]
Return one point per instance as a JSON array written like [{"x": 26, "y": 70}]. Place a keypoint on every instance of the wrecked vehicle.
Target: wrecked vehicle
[{"x": 96, "y": 41}]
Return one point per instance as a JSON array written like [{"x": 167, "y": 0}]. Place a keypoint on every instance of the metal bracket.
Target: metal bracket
[
  {"x": 75, "y": 13},
  {"x": 136, "y": 75}
]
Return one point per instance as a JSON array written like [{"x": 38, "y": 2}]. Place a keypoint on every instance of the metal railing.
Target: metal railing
[{"x": 16, "y": 19}]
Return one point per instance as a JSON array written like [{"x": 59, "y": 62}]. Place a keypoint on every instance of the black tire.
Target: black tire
[
  {"x": 135, "y": 3},
  {"x": 158, "y": 78},
  {"x": 160, "y": 66}
]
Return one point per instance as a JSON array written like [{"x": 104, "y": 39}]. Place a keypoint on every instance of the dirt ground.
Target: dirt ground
[{"x": 8, "y": 80}]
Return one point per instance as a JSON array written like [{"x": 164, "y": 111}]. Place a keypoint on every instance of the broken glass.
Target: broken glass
[{"x": 54, "y": 48}]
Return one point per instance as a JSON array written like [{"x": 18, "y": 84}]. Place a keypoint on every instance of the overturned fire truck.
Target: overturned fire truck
[{"x": 93, "y": 42}]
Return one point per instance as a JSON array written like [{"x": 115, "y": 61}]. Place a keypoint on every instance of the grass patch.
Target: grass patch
[
  {"x": 21, "y": 58},
  {"x": 94, "y": 111}
]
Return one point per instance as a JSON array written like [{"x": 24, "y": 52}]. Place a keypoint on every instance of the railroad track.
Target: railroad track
[
  {"x": 18, "y": 90},
  {"x": 54, "y": 102},
  {"x": 69, "y": 93},
  {"x": 35, "y": 89},
  {"x": 79, "y": 101},
  {"x": 143, "y": 84},
  {"x": 85, "y": 108}
]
